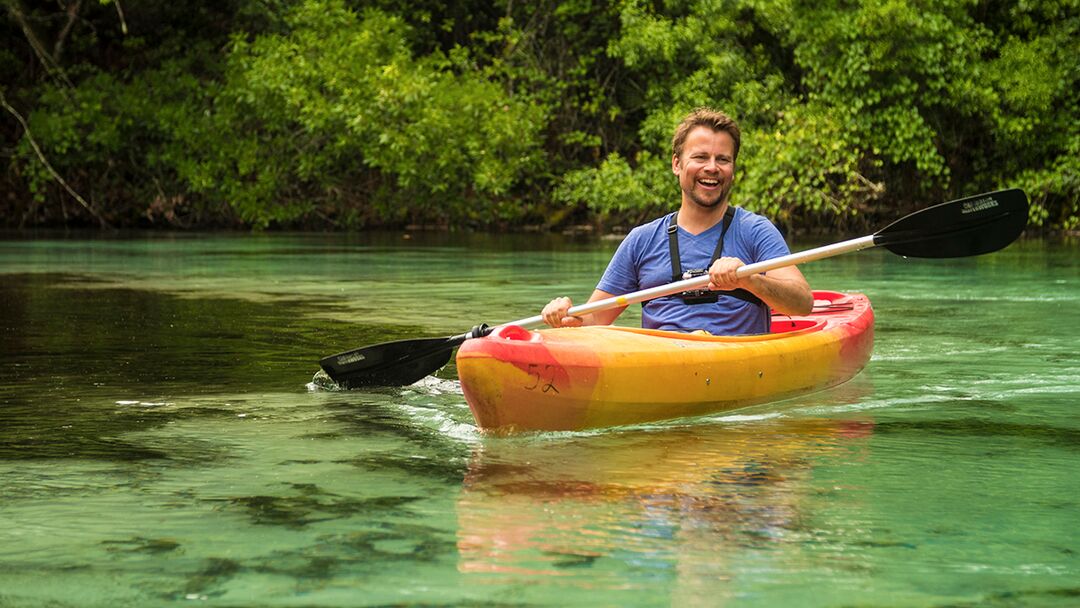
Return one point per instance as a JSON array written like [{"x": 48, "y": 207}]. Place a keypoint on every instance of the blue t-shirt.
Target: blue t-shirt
[{"x": 643, "y": 261}]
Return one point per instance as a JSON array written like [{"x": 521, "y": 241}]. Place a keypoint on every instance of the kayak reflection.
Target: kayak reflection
[{"x": 674, "y": 503}]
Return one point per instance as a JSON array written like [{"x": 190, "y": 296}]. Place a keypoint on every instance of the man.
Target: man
[{"x": 702, "y": 234}]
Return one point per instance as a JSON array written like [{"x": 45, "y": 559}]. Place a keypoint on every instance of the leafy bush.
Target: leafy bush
[
  {"x": 337, "y": 115},
  {"x": 495, "y": 112},
  {"x": 851, "y": 110}
]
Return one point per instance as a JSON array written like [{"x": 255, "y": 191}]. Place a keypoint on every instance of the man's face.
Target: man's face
[{"x": 706, "y": 169}]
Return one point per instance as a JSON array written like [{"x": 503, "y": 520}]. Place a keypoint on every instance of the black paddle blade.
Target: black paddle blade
[
  {"x": 398, "y": 363},
  {"x": 969, "y": 226}
]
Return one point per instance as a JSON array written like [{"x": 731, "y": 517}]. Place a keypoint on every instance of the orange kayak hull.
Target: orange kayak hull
[{"x": 571, "y": 379}]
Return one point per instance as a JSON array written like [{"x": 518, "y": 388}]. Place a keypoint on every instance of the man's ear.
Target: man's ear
[{"x": 675, "y": 164}]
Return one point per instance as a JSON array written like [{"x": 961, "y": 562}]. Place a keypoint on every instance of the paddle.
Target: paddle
[{"x": 964, "y": 227}]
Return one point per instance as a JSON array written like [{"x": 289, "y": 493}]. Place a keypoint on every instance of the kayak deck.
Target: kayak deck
[{"x": 579, "y": 378}]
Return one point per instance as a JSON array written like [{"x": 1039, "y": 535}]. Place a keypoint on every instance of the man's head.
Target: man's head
[
  {"x": 705, "y": 117},
  {"x": 704, "y": 150}
]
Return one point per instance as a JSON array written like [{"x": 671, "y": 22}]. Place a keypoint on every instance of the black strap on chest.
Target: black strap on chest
[{"x": 676, "y": 262}]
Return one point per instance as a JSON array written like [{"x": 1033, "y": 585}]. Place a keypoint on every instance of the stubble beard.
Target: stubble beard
[{"x": 721, "y": 198}]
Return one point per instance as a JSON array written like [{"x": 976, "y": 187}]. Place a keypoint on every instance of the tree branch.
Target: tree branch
[
  {"x": 120, "y": 12},
  {"x": 44, "y": 161},
  {"x": 18, "y": 13},
  {"x": 72, "y": 11}
]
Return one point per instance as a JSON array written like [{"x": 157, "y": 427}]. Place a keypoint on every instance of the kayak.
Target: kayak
[{"x": 571, "y": 379}]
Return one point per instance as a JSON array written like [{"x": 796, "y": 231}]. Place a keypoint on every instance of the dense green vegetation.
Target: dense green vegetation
[{"x": 348, "y": 114}]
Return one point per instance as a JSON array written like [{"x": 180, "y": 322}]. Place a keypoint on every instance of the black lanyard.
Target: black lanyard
[
  {"x": 676, "y": 262},
  {"x": 673, "y": 243}
]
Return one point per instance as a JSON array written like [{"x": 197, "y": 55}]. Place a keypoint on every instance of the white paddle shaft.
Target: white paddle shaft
[{"x": 668, "y": 289}]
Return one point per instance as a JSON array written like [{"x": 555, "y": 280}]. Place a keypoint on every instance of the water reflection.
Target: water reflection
[{"x": 680, "y": 503}]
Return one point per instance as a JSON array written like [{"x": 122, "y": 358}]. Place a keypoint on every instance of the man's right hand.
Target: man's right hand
[{"x": 555, "y": 314}]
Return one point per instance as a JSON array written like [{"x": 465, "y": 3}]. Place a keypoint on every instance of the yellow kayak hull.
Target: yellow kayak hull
[{"x": 571, "y": 379}]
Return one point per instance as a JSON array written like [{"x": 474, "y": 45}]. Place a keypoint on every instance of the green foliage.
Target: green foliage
[
  {"x": 337, "y": 112},
  {"x": 270, "y": 113},
  {"x": 1035, "y": 81},
  {"x": 808, "y": 164},
  {"x": 847, "y": 105},
  {"x": 115, "y": 139},
  {"x": 615, "y": 189}
]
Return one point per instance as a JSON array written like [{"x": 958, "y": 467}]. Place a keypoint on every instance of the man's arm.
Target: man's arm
[{"x": 783, "y": 289}]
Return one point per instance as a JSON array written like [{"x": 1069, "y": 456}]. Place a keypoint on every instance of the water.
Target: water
[{"x": 161, "y": 441}]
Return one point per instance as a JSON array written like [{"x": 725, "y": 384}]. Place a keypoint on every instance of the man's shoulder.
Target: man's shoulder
[
  {"x": 759, "y": 236},
  {"x": 754, "y": 224},
  {"x": 746, "y": 216}
]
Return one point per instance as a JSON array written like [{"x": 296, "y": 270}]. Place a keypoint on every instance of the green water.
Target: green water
[{"x": 161, "y": 441}]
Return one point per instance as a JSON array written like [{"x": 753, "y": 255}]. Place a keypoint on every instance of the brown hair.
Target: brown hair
[{"x": 705, "y": 117}]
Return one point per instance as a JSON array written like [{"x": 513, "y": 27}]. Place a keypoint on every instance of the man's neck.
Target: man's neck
[{"x": 696, "y": 219}]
